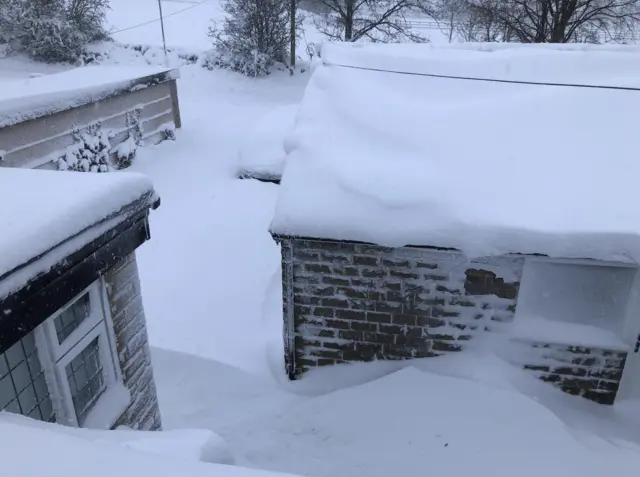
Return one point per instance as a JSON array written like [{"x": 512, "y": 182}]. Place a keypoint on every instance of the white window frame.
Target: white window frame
[{"x": 55, "y": 356}]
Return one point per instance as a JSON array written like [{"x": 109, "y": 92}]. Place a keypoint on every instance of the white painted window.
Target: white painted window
[{"x": 77, "y": 349}]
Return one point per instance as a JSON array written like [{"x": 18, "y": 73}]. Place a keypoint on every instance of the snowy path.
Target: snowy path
[{"x": 206, "y": 269}]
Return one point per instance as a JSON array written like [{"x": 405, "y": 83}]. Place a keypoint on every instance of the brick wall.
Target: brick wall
[
  {"x": 592, "y": 373},
  {"x": 356, "y": 302},
  {"x": 346, "y": 302},
  {"x": 125, "y": 300}
]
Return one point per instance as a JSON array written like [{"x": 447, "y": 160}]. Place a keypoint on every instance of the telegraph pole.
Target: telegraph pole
[{"x": 164, "y": 41}]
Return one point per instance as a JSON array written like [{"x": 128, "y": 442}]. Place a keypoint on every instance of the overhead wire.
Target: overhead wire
[
  {"x": 149, "y": 22},
  {"x": 487, "y": 80},
  {"x": 132, "y": 27}
]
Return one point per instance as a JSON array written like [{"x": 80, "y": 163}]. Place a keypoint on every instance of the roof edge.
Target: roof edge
[{"x": 149, "y": 200}]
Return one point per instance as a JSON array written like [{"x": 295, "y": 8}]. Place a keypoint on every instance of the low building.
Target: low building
[
  {"x": 85, "y": 117},
  {"x": 449, "y": 215},
  {"x": 73, "y": 339}
]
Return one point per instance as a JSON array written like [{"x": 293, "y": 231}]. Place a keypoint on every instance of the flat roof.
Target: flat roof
[
  {"x": 26, "y": 99},
  {"x": 43, "y": 209},
  {"x": 389, "y": 147}
]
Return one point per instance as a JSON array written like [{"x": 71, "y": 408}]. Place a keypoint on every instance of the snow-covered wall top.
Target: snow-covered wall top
[
  {"x": 41, "y": 209},
  {"x": 485, "y": 167},
  {"x": 29, "y": 99}
]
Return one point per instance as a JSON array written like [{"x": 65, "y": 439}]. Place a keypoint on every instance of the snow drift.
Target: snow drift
[
  {"x": 262, "y": 154},
  {"x": 59, "y": 452}
]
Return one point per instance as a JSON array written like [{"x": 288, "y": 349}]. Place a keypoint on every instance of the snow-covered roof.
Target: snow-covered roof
[
  {"x": 262, "y": 154},
  {"x": 486, "y": 167},
  {"x": 43, "y": 209},
  {"x": 46, "y": 450},
  {"x": 22, "y": 100}
]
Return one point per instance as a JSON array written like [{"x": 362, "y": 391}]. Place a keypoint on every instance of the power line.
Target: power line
[
  {"x": 158, "y": 19},
  {"x": 133, "y": 26},
  {"x": 486, "y": 80}
]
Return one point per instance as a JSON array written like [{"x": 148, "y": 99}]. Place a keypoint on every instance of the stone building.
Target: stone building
[
  {"x": 73, "y": 339},
  {"x": 401, "y": 239}
]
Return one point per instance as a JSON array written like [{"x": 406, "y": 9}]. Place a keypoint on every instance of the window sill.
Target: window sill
[{"x": 109, "y": 408}]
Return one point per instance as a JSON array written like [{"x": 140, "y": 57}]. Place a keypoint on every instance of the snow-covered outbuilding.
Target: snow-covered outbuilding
[
  {"x": 101, "y": 112},
  {"x": 73, "y": 339},
  {"x": 434, "y": 199}
]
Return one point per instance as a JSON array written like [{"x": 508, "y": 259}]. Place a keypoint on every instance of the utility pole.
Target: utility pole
[
  {"x": 292, "y": 33},
  {"x": 164, "y": 41}
]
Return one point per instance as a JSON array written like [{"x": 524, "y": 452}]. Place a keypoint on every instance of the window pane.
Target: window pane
[
  {"x": 42, "y": 391},
  {"x": 86, "y": 381},
  {"x": 29, "y": 344},
  {"x": 67, "y": 321},
  {"x": 23, "y": 389},
  {"x": 21, "y": 376},
  {"x": 4, "y": 367},
  {"x": 27, "y": 400},
  {"x": 34, "y": 364},
  {"x": 15, "y": 355},
  {"x": 13, "y": 407},
  {"x": 46, "y": 411},
  {"x": 7, "y": 391}
]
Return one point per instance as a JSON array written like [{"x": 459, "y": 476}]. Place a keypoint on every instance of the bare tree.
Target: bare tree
[
  {"x": 449, "y": 14},
  {"x": 564, "y": 21},
  {"x": 374, "y": 20}
]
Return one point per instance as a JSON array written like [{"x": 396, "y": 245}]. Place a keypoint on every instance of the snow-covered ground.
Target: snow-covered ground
[{"x": 211, "y": 287}]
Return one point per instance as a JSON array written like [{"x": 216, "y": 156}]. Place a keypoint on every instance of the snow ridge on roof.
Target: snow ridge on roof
[{"x": 488, "y": 168}]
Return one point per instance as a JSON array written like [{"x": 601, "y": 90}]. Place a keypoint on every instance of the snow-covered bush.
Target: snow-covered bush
[
  {"x": 90, "y": 152},
  {"x": 52, "y": 30},
  {"x": 126, "y": 151},
  {"x": 253, "y": 36},
  {"x": 53, "y": 40},
  {"x": 169, "y": 133},
  {"x": 89, "y": 17}
]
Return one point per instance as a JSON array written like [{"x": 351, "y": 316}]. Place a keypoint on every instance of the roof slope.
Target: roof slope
[{"x": 485, "y": 167}]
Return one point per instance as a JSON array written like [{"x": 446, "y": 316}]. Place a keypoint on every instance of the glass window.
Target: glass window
[
  {"x": 71, "y": 318},
  {"x": 86, "y": 380},
  {"x": 23, "y": 389}
]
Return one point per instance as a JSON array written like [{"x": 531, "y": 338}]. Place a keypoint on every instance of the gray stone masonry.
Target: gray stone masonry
[
  {"x": 355, "y": 302},
  {"x": 592, "y": 373},
  {"x": 125, "y": 300}
]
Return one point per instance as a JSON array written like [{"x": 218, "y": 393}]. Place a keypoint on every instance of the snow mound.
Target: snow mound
[
  {"x": 64, "y": 453},
  {"x": 262, "y": 154},
  {"x": 404, "y": 159},
  {"x": 429, "y": 423},
  {"x": 190, "y": 444},
  {"x": 194, "y": 444},
  {"x": 63, "y": 204}
]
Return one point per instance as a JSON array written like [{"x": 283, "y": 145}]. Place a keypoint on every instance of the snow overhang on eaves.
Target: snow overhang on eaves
[{"x": 73, "y": 268}]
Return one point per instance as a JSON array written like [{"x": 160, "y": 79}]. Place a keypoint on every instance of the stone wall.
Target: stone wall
[
  {"x": 125, "y": 300},
  {"x": 357, "y": 302},
  {"x": 592, "y": 373}
]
